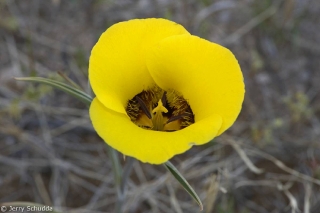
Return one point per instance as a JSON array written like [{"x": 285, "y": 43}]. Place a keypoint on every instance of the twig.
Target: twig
[
  {"x": 210, "y": 10},
  {"x": 251, "y": 24},
  {"x": 97, "y": 194},
  {"x": 270, "y": 183},
  {"x": 42, "y": 189},
  {"x": 173, "y": 198},
  {"x": 282, "y": 166},
  {"x": 244, "y": 157},
  {"x": 307, "y": 197},
  {"x": 212, "y": 193},
  {"x": 293, "y": 201}
]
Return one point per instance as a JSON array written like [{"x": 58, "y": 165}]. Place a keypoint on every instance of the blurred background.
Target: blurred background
[{"x": 50, "y": 154}]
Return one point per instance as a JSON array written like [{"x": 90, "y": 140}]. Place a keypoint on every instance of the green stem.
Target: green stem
[
  {"x": 116, "y": 167},
  {"x": 117, "y": 172},
  {"x": 121, "y": 191},
  {"x": 119, "y": 177}
]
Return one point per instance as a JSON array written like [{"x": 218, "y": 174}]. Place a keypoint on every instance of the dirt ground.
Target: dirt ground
[{"x": 268, "y": 162}]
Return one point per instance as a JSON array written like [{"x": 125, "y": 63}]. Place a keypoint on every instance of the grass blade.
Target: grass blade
[
  {"x": 183, "y": 182},
  {"x": 82, "y": 96}
]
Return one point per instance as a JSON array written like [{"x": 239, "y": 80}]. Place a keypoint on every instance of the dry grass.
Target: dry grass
[{"x": 268, "y": 162}]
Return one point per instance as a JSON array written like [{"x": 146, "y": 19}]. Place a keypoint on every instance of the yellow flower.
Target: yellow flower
[{"x": 160, "y": 90}]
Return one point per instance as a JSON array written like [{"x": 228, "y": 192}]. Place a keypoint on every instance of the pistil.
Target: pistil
[
  {"x": 159, "y": 110},
  {"x": 158, "y": 120}
]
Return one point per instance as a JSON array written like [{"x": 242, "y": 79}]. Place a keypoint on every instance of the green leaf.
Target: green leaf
[
  {"x": 82, "y": 96},
  {"x": 183, "y": 182}
]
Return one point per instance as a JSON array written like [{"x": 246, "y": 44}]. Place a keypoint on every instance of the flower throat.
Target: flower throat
[{"x": 159, "y": 110}]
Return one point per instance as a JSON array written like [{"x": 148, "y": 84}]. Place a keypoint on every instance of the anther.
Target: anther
[
  {"x": 144, "y": 107},
  {"x": 159, "y": 110}
]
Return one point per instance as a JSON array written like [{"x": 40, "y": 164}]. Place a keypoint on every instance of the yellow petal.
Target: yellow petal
[
  {"x": 206, "y": 74},
  {"x": 117, "y": 69},
  {"x": 149, "y": 146}
]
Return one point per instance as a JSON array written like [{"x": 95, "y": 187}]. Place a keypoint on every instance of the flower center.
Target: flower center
[{"x": 159, "y": 110}]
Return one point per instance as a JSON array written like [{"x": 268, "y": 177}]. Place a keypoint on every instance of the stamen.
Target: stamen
[
  {"x": 159, "y": 110},
  {"x": 143, "y": 107},
  {"x": 174, "y": 118},
  {"x": 164, "y": 98}
]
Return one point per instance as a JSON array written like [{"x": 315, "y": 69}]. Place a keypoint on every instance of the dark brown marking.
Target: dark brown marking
[
  {"x": 143, "y": 107},
  {"x": 164, "y": 99},
  {"x": 177, "y": 117}
]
